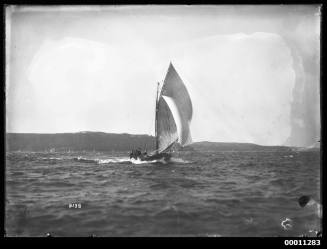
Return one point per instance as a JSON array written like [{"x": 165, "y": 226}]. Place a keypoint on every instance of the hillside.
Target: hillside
[
  {"x": 100, "y": 141},
  {"x": 89, "y": 141},
  {"x": 219, "y": 146}
]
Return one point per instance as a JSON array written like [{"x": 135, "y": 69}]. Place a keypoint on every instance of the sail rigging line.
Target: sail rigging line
[
  {"x": 167, "y": 131},
  {"x": 168, "y": 126},
  {"x": 156, "y": 121},
  {"x": 170, "y": 146},
  {"x": 175, "y": 115}
]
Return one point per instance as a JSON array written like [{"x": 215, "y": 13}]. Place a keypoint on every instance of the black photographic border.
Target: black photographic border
[{"x": 165, "y": 241}]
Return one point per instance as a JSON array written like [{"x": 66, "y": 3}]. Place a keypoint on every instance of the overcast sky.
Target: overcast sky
[{"x": 252, "y": 71}]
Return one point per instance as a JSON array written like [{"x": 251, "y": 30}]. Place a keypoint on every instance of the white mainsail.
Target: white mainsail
[{"x": 173, "y": 112}]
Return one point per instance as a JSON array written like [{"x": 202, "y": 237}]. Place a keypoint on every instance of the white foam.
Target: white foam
[
  {"x": 138, "y": 161},
  {"x": 128, "y": 160},
  {"x": 113, "y": 160},
  {"x": 287, "y": 224},
  {"x": 162, "y": 160}
]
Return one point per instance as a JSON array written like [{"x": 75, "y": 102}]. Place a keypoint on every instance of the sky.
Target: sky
[{"x": 252, "y": 71}]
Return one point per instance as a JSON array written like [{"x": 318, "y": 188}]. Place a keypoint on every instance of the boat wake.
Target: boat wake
[
  {"x": 161, "y": 161},
  {"x": 102, "y": 161},
  {"x": 138, "y": 161},
  {"x": 113, "y": 160},
  {"x": 116, "y": 160}
]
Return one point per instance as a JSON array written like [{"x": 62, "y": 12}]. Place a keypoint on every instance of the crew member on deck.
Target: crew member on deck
[{"x": 138, "y": 152}]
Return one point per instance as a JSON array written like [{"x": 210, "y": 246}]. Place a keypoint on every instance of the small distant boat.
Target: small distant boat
[{"x": 173, "y": 114}]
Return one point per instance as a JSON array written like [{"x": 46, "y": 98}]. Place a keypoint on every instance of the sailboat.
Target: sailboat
[{"x": 173, "y": 114}]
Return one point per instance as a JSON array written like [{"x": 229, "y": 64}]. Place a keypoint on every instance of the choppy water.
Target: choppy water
[{"x": 198, "y": 194}]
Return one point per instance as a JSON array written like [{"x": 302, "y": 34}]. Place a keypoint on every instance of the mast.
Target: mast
[{"x": 156, "y": 121}]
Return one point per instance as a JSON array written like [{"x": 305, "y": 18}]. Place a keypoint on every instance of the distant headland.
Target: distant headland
[{"x": 101, "y": 141}]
